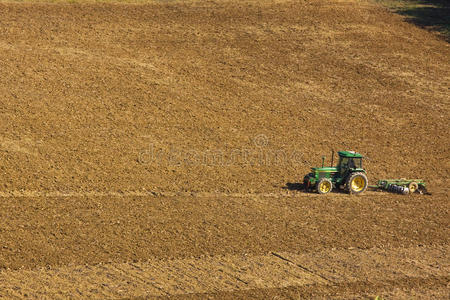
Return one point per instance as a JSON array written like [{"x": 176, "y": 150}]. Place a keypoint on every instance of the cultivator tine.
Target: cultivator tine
[{"x": 423, "y": 190}]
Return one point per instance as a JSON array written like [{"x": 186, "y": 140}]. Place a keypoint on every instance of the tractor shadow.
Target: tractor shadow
[{"x": 296, "y": 186}]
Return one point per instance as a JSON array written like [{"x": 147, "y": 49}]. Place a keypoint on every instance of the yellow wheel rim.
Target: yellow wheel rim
[
  {"x": 358, "y": 184},
  {"x": 325, "y": 187},
  {"x": 413, "y": 187}
]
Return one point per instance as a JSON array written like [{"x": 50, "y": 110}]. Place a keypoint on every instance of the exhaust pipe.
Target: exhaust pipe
[{"x": 332, "y": 157}]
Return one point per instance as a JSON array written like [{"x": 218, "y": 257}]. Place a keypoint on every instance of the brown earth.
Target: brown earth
[
  {"x": 132, "y": 134},
  {"x": 111, "y": 247}
]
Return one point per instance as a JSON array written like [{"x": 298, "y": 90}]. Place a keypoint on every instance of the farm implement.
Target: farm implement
[
  {"x": 349, "y": 175},
  {"x": 401, "y": 186}
]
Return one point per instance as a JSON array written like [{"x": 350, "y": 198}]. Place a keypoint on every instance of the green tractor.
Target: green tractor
[{"x": 348, "y": 174}]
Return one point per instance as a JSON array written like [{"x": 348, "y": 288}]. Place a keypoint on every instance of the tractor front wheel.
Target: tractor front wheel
[
  {"x": 324, "y": 186},
  {"x": 357, "y": 183}
]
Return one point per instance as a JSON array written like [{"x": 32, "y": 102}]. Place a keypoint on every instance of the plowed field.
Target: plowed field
[{"x": 154, "y": 149}]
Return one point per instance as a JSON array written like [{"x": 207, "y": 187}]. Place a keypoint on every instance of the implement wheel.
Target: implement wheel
[
  {"x": 324, "y": 186},
  {"x": 357, "y": 183},
  {"x": 413, "y": 187}
]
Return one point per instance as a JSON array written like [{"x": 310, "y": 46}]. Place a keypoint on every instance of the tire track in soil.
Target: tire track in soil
[
  {"x": 34, "y": 194},
  {"x": 229, "y": 273}
]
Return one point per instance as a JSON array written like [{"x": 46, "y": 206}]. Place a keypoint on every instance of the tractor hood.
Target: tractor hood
[{"x": 324, "y": 169}]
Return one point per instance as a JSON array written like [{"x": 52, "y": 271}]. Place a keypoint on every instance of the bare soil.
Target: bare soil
[
  {"x": 157, "y": 246},
  {"x": 171, "y": 133}
]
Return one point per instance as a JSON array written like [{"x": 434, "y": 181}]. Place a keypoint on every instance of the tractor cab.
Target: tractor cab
[
  {"x": 349, "y": 160},
  {"x": 348, "y": 174}
]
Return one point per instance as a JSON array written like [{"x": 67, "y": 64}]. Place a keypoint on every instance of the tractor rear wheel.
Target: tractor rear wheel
[
  {"x": 357, "y": 183},
  {"x": 413, "y": 186},
  {"x": 324, "y": 186}
]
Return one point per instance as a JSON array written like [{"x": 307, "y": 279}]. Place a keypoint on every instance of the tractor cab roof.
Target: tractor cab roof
[{"x": 349, "y": 154}]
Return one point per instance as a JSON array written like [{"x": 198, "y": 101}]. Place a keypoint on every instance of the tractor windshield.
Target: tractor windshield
[
  {"x": 350, "y": 163},
  {"x": 343, "y": 162}
]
